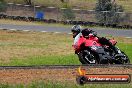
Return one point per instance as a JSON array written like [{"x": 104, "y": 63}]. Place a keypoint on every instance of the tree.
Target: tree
[
  {"x": 107, "y": 12},
  {"x": 67, "y": 13},
  {"x": 3, "y": 5},
  {"x": 62, "y": 1},
  {"x": 28, "y": 2}
]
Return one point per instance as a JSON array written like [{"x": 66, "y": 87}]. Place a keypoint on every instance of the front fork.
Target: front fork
[{"x": 118, "y": 50}]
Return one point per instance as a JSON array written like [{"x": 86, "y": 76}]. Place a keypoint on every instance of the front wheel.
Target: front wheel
[
  {"x": 86, "y": 57},
  {"x": 122, "y": 59}
]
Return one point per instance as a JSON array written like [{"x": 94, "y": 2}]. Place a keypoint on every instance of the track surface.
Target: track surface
[
  {"x": 57, "y": 73},
  {"x": 100, "y": 31}
]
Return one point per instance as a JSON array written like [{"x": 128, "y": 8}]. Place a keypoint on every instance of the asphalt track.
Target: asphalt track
[{"x": 44, "y": 28}]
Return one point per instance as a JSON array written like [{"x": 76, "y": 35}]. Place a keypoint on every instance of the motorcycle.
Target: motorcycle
[{"x": 90, "y": 51}]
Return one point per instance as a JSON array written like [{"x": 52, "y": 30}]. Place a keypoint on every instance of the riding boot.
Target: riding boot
[{"x": 105, "y": 41}]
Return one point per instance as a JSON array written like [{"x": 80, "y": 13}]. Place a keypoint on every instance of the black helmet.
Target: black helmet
[
  {"x": 86, "y": 32},
  {"x": 76, "y": 29}
]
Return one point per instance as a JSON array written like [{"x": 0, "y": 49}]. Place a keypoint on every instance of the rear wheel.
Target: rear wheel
[{"x": 104, "y": 60}]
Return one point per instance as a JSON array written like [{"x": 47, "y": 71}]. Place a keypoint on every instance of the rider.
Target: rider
[
  {"x": 77, "y": 35},
  {"x": 82, "y": 34}
]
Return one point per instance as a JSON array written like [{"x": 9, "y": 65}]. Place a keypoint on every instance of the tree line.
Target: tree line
[{"x": 106, "y": 11}]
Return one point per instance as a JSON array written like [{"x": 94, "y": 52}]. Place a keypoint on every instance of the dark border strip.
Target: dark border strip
[{"x": 63, "y": 66}]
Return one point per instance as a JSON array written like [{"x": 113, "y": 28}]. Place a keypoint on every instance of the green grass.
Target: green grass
[
  {"x": 45, "y": 60},
  {"x": 35, "y": 48},
  {"x": 42, "y": 84},
  {"x": 127, "y": 48},
  {"x": 59, "y": 60},
  {"x": 15, "y": 22}
]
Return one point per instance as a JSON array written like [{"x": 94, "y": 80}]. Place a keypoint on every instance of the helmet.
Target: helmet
[
  {"x": 86, "y": 32},
  {"x": 76, "y": 29}
]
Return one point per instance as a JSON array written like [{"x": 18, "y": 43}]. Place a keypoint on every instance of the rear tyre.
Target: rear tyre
[{"x": 104, "y": 60}]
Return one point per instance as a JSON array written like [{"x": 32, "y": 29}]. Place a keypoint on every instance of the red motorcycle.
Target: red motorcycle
[{"x": 90, "y": 51}]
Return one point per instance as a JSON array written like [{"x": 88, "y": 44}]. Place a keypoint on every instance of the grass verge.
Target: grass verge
[
  {"x": 36, "y": 48},
  {"x": 64, "y": 85},
  {"x": 45, "y": 60}
]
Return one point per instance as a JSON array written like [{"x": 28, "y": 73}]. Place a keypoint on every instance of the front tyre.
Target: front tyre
[
  {"x": 122, "y": 59},
  {"x": 126, "y": 58},
  {"x": 86, "y": 57}
]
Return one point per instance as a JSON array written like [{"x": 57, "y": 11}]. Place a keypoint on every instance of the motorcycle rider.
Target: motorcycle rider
[
  {"x": 82, "y": 34},
  {"x": 76, "y": 31},
  {"x": 78, "y": 37}
]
